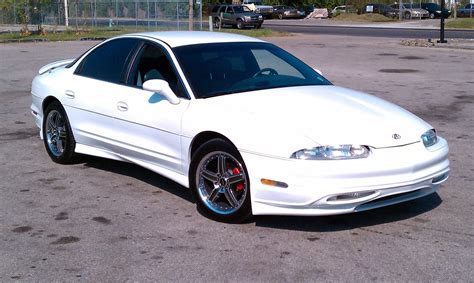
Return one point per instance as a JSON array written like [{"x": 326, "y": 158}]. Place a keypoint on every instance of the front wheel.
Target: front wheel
[
  {"x": 432, "y": 15},
  {"x": 57, "y": 134},
  {"x": 219, "y": 182},
  {"x": 240, "y": 24}
]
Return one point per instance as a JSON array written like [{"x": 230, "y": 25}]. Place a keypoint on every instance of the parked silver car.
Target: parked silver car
[{"x": 409, "y": 11}]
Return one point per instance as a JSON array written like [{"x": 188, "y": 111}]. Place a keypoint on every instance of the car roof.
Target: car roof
[{"x": 183, "y": 38}]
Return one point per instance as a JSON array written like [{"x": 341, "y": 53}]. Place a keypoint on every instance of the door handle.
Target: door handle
[
  {"x": 122, "y": 106},
  {"x": 70, "y": 94}
]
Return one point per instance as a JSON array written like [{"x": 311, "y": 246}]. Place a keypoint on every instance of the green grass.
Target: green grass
[
  {"x": 71, "y": 34},
  {"x": 467, "y": 23},
  {"x": 351, "y": 17}
]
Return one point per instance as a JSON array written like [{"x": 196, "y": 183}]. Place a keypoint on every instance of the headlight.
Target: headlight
[
  {"x": 439, "y": 12},
  {"x": 246, "y": 18},
  {"x": 429, "y": 138},
  {"x": 338, "y": 152},
  {"x": 260, "y": 17},
  {"x": 286, "y": 12}
]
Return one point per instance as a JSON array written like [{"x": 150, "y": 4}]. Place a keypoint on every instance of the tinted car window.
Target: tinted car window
[
  {"x": 107, "y": 61},
  {"x": 225, "y": 68},
  {"x": 152, "y": 63}
]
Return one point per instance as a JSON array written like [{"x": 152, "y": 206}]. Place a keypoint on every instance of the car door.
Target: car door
[
  {"x": 151, "y": 125},
  {"x": 89, "y": 97},
  {"x": 227, "y": 17}
]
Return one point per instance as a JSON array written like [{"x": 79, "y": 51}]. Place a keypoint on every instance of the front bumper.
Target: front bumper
[
  {"x": 387, "y": 176},
  {"x": 252, "y": 22}
]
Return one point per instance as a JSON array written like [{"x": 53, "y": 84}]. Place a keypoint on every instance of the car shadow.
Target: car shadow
[
  {"x": 139, "y": 173},
  {"x": 333, "y": 223},
  {"x": 392, "y": 213}
]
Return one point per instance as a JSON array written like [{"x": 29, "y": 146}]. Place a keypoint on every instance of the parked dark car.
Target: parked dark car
[
  {"x": 236, "y": 16},
  {"x": 434, "y": 10},
  {"x": 380, "y": 9},
  {"x": 286, "y": 12},
  {"x": 306, "y": 10},
  {"x": 466, "y": 11}
]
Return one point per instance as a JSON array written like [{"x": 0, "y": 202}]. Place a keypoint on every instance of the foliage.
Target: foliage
[{"x": 467, "y": 23}]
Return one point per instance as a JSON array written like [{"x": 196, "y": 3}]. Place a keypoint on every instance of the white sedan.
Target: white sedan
[{"x": 249, "y": 128}]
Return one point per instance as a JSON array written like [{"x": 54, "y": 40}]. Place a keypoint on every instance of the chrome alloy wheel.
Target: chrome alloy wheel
[
  {"x": 222, "y": 183},
  {"x": 56, "y": 133}
]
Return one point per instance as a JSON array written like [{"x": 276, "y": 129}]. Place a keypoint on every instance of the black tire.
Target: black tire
[
  {"x": 240, "y": 24},
  {"x": 258, "y": 26},
  {"x": 432, "y": 15},
  {"x": 280, "y": 16},
  {"x": 407, "y": 16},
  {"x": 58, "y": 140},
  {"x": 207, "y": 159}
]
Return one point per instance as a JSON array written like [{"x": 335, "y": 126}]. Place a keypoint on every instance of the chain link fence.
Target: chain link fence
[{"x": 138, "y": 14}]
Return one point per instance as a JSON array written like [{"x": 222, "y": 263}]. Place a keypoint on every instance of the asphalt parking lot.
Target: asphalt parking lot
[{"x": 102, "y": 220}]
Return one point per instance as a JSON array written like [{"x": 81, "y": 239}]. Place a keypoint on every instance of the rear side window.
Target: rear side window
[
  {"x": 107, "y": 61},
  {"x": 215, "y": 9}
]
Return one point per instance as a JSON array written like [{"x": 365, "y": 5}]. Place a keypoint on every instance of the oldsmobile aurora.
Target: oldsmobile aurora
[{"x": 249, "y": 128}]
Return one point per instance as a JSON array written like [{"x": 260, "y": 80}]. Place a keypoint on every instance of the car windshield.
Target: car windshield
[
  {"x": 224, "y": 68},
  {"x": 241, "y": 9}
]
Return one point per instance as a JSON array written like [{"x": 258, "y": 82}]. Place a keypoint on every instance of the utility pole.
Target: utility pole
[
  {"x": 191, "y": 15},
  {"x": 66, "y": 14}
]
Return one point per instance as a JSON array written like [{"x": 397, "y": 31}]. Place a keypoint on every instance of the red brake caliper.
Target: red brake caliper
[{"x": 239, "y": 186}]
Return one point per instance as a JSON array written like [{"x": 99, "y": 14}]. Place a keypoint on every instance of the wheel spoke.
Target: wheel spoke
[
  {"x": 51, "y": 124},
  {"x": 62, "y": 133},
  {"x": 236, "y": 178},
  {"x": 221, "y": 164},
  {"x": 210, "y": 176},
  {"x": 229, "y": 195},
  {"x": 214, "y": 194}
]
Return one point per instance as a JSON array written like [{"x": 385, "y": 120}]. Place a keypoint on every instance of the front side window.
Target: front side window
[
  {"x": 225, "y": 68},
  {"x": 107, "y": 61},
  {"x": 151, "y": 64}
]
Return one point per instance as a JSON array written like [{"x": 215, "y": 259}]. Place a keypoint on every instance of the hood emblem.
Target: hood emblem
[{"x": 396, "y": 136}]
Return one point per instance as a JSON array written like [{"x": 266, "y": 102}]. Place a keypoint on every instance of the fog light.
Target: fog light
[
  {"x": 440, "y": 179},
  {"x": 274, "y": 183},
  {"x": 351, "y": 196}
]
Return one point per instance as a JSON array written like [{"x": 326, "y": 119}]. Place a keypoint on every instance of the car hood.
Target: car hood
[{"x": 311, "y": 116}]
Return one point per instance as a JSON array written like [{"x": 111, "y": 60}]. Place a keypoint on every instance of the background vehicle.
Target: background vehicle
[
  {"x": 410, "y": 11},
  {"x": 236, "y": 16},
  {"x": 434, "y": 10},
  {"x": 466, "y": 11},
  {"x": 285, "y": 12},
  {"x": 343, "y": 9},
  {"x": 264, "y": 10},
  {"x": 379, "y": 9}
]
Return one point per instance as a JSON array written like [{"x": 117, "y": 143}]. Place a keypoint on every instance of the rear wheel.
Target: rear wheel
[
  {"x": 217, "y": 22},
  {"x": 220, "y": 183},
  {"x": 57, "y": 134},
  {"x": 258, "y": 26},
  {"x": 432, "y": 15},
  {"x": 407, "y": 15},
  {"x": 280, "y": 16}
]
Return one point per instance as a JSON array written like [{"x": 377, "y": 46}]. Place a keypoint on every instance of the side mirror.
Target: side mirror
[
  {"x": 163, "y": 88},
  {"x": 318, "y": 71}
]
